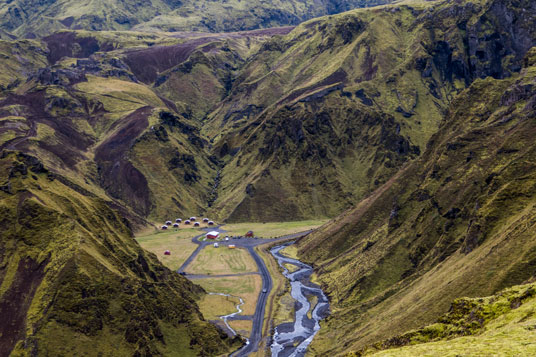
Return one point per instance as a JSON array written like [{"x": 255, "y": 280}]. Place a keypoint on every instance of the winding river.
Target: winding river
[{"x": 292, "y": 339}]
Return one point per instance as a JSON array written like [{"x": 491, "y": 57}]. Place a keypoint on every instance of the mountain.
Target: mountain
[
  {"x": 415, "y": 121},
  {"x": 28, "y": 19},
  {"x": 321, "y": 117},
  {"x": 315, "y": 117},
  {"x": 459, "y": 221},
  {"x": 74, "y": 280}
]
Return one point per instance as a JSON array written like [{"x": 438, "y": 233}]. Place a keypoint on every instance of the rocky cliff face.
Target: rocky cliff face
[{"x": 331, "y": 111}]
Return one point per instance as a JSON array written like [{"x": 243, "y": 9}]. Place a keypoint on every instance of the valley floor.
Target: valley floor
[{"x": 234, "y": 272}]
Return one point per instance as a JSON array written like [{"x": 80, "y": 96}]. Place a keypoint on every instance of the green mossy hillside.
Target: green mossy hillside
[
  {"x": 459, "y": 221},
  {"x": 73, "y": 279},
  {"x": 321, "y": 117}
]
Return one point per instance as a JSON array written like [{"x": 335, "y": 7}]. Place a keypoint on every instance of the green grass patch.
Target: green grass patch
[
  {"x": 222, "y": 260},
  {"x": 272, "y": 229},
  {"x": 247, "y": 287},
  {"x": 179, "y": 243},
  {"x": 214, "y": 306}
]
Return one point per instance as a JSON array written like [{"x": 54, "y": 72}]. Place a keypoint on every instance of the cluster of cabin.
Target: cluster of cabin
[
  {"x": 191, "y": 221},
  {"x": 213, "y": 235}
]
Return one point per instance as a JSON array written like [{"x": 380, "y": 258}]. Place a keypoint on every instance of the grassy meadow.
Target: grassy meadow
[
  {"x": 214, "y": 306},
  {"x": 247, "y": 287},
  {"x": 222, "y": 260},
  {"x": 178, "y": 242},
  {"x": 272, "y": 229}
]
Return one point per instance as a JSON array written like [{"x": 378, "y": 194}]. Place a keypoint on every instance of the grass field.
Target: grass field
[
  {"x": 272, "y": 229},
  {"x": 247, "y": 287},
  {"x": 178, "y": 242},
  {"x": 214, "y": 306},
  {"x": 222, "y": 260},
  {"x": 291, "y": 251},
  {"x": 242, "y": 327}
]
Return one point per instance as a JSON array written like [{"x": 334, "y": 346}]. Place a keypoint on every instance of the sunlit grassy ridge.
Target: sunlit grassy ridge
[{"x": 502, "y": 324}]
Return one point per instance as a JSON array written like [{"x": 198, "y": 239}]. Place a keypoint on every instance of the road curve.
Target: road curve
[{"x": 250, "y": 244}]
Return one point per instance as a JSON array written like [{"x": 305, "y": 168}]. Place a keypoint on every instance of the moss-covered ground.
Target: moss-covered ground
[{"x": 499, "y": 325}]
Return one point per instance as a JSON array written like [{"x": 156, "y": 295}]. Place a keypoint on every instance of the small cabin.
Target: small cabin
[
  {"x": 164, "y": 227},
  {"x": 192, "y": 218},
  {"x": 168, "y": 223},
  {"x": 205, "y": 220},
  {"x": 232, "y": 246},
  {"x": 167, "y": 252},
  {"x": 175, "y": 225},
  {"x": 197, "y": 224},
  {"x": 187, "y": 222},
  {"x": 216, "y": 245},
  {"x": 212, "y": 235},
  {"x": 178, "y": 220},
  {"x": 210, "y": 223},
  {"x": 249, "y": 234}
]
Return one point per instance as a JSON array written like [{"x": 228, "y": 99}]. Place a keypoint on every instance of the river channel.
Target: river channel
[{"x": 291, "y": 339}]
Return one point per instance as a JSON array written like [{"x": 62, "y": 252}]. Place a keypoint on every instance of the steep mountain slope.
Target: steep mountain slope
[
  {"x": 457, "y": 222},
  {"x": 322, "y": 116},
  {"x": 315, "y": 119},
  {"x": 100, "y": 121},
  {"x": 73, "y": 280},
  {"x": 28, "y": 19}
]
